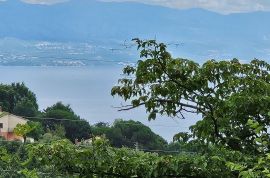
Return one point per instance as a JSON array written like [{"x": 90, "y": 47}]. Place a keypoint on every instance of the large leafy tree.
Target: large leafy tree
[
  {"x": 25, "y": 107},
  {"x": 129, "y": 133},
  {"x": 60, "y": 114},
  {"x": 18, "y": 99},
  {"x": 227, "y": 94}
]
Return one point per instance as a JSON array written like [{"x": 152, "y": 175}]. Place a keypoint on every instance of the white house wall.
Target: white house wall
[
  {"x": 10, "y": 122},
  {"x": 5, "y": 122},
  {"x": 13, "y": 121}
]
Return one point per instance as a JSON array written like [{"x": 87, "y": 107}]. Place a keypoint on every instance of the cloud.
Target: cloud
[
  {"x": 45, "y": 2},
  {"x": 220, "y": 6}
]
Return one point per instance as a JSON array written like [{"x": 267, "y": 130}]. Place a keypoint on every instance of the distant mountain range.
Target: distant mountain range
[{"x": 202, "y": 34}]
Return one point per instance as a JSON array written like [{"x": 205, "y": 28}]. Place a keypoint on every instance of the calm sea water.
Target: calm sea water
[{"x": 87, "y": 90}]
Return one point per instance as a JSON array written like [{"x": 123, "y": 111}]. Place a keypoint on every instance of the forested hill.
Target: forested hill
[{"x": 237, "y": 35}]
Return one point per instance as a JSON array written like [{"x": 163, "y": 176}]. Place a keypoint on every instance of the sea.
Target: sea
[{"x": 87, "y": 90}]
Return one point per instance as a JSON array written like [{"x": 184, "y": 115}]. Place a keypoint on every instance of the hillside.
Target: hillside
[{"x": 204, "y": 34}]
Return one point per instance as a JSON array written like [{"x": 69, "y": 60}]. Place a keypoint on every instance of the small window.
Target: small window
[{"x": 1, "y": 125}]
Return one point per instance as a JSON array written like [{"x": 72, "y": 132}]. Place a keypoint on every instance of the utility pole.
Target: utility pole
[{"x": 137, "y": 146}]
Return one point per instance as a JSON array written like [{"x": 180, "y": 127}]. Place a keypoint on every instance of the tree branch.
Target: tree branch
[{"x": 129, "y": 107}]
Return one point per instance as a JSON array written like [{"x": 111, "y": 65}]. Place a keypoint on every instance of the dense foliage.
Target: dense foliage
[
  {"x": 17, "y": 98},
  {"x": 60, "y": 114},
  {"x": 64, "y": 159},
  {"x": 128, "y": 134},
  {"x": 227, "y": 94}
]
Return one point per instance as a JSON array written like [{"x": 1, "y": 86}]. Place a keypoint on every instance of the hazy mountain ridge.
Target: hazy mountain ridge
[{"x": 204, "y": 34}]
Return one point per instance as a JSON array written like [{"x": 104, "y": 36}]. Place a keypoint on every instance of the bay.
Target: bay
[{"x": 87, "y": 90}]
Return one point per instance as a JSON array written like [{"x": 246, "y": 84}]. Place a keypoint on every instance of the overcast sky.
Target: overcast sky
[
  {"x": 44, "y": 1},
  {"x": 221, "y": 6}
]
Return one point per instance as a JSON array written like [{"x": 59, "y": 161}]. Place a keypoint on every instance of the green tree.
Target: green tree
[
  {"x": 37, "y": 130},
  {"x": 51, "y": 136},
  {"x": 17, "y": 98},
  {"x": 128, "y": 133},
  {"x": 23, "y": 130},
  {"x": 225, "y": 93},
  {"x": 6, "y": 98},
  {"x": 100, "y": 129},
  {"x": 60, "y": 114},
  {"x": 26, "y": 108},
  {"x": 58, "y": 133}
]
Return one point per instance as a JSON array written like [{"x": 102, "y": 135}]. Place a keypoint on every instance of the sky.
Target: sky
[
  {"x": 220, "y": 6},
  {"x": 48, "y": 2}
]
